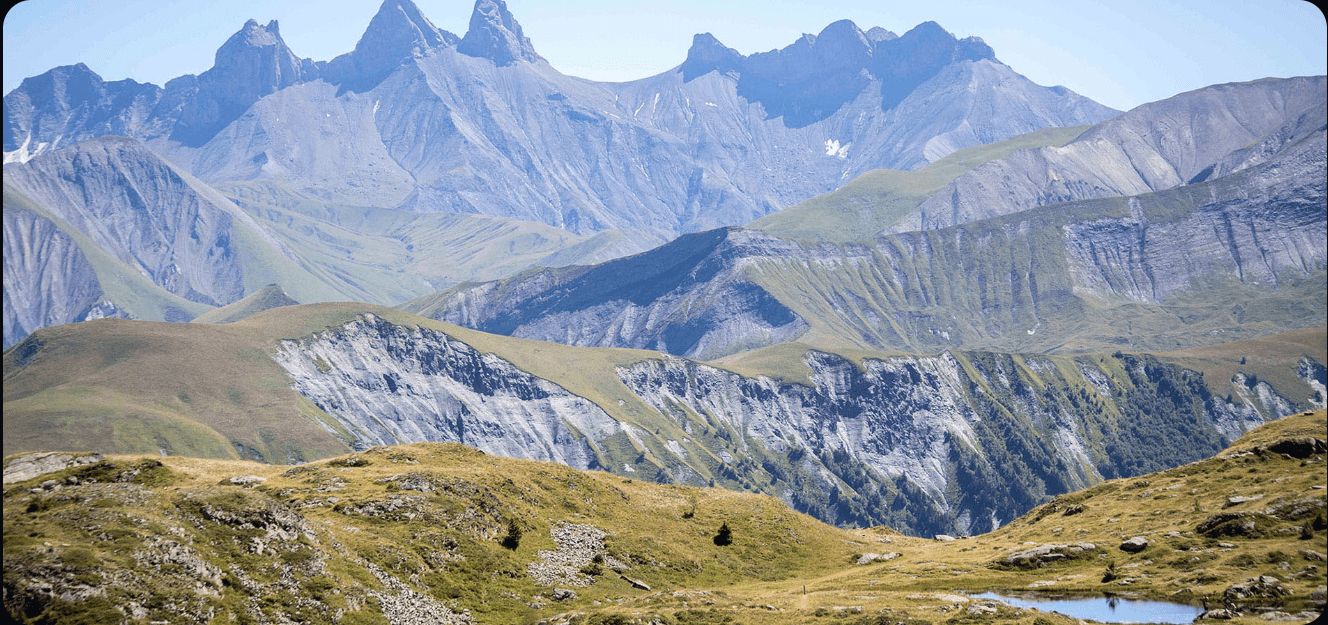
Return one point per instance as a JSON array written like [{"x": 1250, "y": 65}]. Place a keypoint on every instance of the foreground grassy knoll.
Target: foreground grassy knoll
[{"x": 444, "y": 534}]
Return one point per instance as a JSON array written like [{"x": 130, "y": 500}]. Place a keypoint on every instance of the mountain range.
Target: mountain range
[
  {"x": 1050, "y": 267},
  {"x": 394, "y": 170},
  {"x": 881, "y": 277}
]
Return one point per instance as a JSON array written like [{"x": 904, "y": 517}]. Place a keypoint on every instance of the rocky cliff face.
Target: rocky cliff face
[
  {"x": 948, "y": 443},
  {"x": 137, "y": 207},
  {"x": 1161, "y": 145},
  {"x": 396, "y": 34},
  {"x": 387, "y": 384},
  {"x": 961, "y": 444},
  {"x": 49, "y": 281}
]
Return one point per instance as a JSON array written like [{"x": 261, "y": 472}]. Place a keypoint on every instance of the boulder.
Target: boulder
[
  {"x": 1299, "y": 447},
  {"x": 868, "y": 558},
  {"x": 563, "y": 594},
  {"x": 1236, "y": 500},
  {"x": 636, "y": 583},
  {"x": 1042, "y": 555},
  {"x": 1220, "y": 614},
  {"x": 1134, "y": 545},
  {"x": 244, "y": 481},
  {"x": 945, "y": 538}
]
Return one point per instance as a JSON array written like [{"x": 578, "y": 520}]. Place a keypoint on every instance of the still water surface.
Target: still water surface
[{"x": 1105, "y": 609}]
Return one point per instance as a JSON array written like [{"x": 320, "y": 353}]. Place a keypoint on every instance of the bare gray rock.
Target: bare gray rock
[
  {"x": 1236, "y": 500},
  {"x": 1134, "y": 545},
  {"x": 577, "y": 547},
  {"x": 868, "y": 558},
  {"x": 27, "y": 466}
]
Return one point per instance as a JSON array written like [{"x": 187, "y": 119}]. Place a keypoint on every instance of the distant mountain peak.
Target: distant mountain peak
[
  {"x": 401, "y": 27},
  {"x": 876, "y": 33},
  {"x": 495, "y": 35},
  {"x": 397, "y": 33},
  {"x": 707, "y": 54},
  {"x": 253, "y": 62},
  {"x": 907, "y": 61},
  {"x": 61, "y": 77},
  {"x": 252, "y": 35},
  {"x": 844, "y": 42}
]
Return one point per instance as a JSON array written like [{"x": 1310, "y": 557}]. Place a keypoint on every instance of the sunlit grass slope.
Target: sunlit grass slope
[{"x": 346, "y": 539}]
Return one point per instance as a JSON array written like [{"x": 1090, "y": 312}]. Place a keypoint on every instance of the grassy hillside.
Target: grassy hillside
[
  {"x": 266, "y": 298},
  {"x": 878, "y": 199},
  {"x": 214, "y": 390},
  {"x": 418, "y": 531},
  {"x": 95, "y": 385}
]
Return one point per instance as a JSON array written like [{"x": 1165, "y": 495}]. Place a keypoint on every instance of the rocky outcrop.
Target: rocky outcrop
[
  {"x": 1043, "y": 555},
  {"x": 923, "y": 443},
  {"x": 27, "y": 466},
  {"x": 495, "y": 35},
  {"x": 387, "y": 384},
  {"x": 1255, "y": 590},
  {"x": 928, "y": 431}
]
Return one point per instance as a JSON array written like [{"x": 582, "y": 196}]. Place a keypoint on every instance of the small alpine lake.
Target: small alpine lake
[{"x": 1103, "y": 609}]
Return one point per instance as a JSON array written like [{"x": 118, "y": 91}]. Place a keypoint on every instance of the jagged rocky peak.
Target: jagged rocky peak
[
  {"x": 931, "y": 41},
  {"x": 257, "y": 58},
  {"x": 70, "y": 103},
  {"x": 876, "y": 33},
  {"x": 400, "y": 25},
  {"x": 396, "y": 34},
  {"x": 707, "y": 54},
  {"x": 906, "y": 62},
  {"x": 253, "y": 62},
  {"x": 495, "y": 35}
]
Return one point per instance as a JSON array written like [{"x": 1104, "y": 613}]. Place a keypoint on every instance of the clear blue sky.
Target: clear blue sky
[{"x": 1119, "y": 52}]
